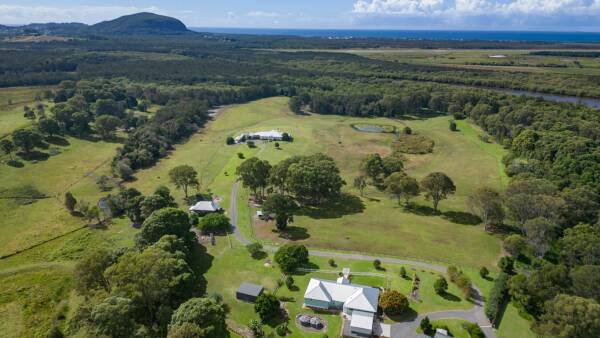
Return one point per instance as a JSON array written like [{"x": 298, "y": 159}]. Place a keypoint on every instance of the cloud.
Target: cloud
[
  {"x": 18, "y": 14},
  {"x": 483, "y": 13},
  {"x": 263, "y": 14}
]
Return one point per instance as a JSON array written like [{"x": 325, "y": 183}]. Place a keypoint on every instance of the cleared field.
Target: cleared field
[
  {"x": 499, "y": 60},
  {"x": 71, "y": 162},
  {"x": 461, "y": 155},
  {"x": 12, "y": 101}
]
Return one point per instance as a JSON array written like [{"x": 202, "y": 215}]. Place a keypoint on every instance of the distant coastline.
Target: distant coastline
[{"x": 537, "y": 36}]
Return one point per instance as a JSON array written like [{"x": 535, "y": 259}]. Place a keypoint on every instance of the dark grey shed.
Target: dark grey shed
[{"x": 248, "y": 292}]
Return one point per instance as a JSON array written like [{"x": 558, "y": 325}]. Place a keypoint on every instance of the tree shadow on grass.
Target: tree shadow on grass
[
  {"x": 200, "y": 261},
  {"x": 450, "y": 297},
  {"x": 408, "y": 316},
  {"x": 15, "y": 164},
  {"x": 345, "y": 204},
  {"x": 34, "y": 155},
  {"x": 260, "y": 255},
  {"x": 57, "y": 140},
  {"x": 421, "y": 210},
  {"x": 294, "y": 233},
  {"x": 274, "y": 322},
  {"x": 461, "y": 217}
]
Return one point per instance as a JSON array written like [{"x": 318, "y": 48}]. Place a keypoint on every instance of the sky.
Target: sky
[{"x": 548, "y": 15}]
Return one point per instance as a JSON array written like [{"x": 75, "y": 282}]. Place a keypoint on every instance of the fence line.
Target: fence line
[{"x": 372, "y": 274}]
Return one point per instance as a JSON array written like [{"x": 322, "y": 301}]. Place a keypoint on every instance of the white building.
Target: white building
[
  {"x": 356, "y": 301},
  {"x": 206, "y": 207},
  {"x": 273, "y": 135}
]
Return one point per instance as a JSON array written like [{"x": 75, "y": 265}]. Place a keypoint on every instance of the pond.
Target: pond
[{"x": 374, "y": 128}]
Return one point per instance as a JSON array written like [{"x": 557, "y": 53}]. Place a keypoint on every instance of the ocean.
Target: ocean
[{"x": 580, "y": 37}]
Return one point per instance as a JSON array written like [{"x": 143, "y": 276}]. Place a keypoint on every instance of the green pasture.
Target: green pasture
[
  {"x": 454, "y": 236},
  {"x": 12, "y": 101}
]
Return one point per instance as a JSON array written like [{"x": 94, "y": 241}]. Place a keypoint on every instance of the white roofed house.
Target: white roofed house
[
  {"x": 204, "y": 207},
  {"x": 272, "y": 135},
  {"x": 356, "y": 301}
]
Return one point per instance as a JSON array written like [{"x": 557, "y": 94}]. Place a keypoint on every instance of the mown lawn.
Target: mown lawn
[{"x": 229, "y": 264}]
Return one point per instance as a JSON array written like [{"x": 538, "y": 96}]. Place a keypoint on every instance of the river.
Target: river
[{"x": 590, "y": 102}]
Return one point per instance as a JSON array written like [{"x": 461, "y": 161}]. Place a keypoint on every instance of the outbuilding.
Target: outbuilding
[{"x": 248, "y": 292}]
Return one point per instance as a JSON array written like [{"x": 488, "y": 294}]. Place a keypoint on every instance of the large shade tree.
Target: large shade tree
[
  {"x": 282, "y": 207},
  {"x": 487, "y": 204},
  {"x": 113, "y": 317},
  {"x": 184, "y": 177},
  {"x": 290, "y": 257},
  {"x": 402, "y": 187},
  {"x": 168, "y": 221},
  {"x": 208, "y": 314},
  {"x": 315, "y": 179},
  {"x": 255, "y": 175},
  {"x": 437, "y": 186}
]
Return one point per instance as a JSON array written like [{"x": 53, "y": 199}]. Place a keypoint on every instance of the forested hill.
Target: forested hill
[
  {"x": 140, "y": 24},
  {"x": 128, "y": 25}
]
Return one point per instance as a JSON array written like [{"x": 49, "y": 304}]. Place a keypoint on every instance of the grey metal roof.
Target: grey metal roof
[{"x": 250, "y": 289}]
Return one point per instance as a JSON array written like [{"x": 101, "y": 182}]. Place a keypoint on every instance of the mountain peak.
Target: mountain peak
[{"x": 140, "y": 24}]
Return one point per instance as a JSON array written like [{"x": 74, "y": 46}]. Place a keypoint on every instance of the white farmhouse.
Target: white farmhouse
[
  {"x": 272, "y": 135},
  {"x": 356, "y": 301}
]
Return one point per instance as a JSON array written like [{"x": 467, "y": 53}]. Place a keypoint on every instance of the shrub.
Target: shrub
[
  {"x": 453, "y": 126},
  {"x": 230, "y": 140},
  {"x": 289, "y": 282},
  {"x": 514, "y": 244},
  {"x": 377, "y": 264},
  {"x": 393, "y": 302},
  {"x": 276, "y": 144},
  {"x": 407, "y": 130},
  {"x": 474, "y": 331},
  {"x": 194, "y": 219},
  {"x": 255, "y": 249},
  {"x": 240, "y": 156},
  {"x": 464, "y": 284},
  {"x": 506, "y": 264},
  {"x": 497, "y": 297},
  {"x": 402, "y": 272},
  {"x": 290, "y": 257},
  {"x": 250, "y": 144},
  {"x": 70, "y": 201},
  {"x": 256, "y": 328},
  {"x": 214, "y": 223},
  {"x": 484, "y": 272},
  {"x": 453, "y": 272},
  {"x": 267, "y": 306},
  {"x": 426, "y": 326},
  {"x": 440, "y": 286},
  {"x": 331, "y": 262},
  {"x": 281, "y": 329}
]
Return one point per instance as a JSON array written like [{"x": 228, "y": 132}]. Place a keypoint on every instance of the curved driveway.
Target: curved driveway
[{"x": 405, "y": 329}]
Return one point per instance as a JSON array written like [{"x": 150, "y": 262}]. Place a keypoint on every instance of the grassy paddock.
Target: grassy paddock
[
  {"x": 12, "y": 101},
  {"x": 453, "y": 236}
]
